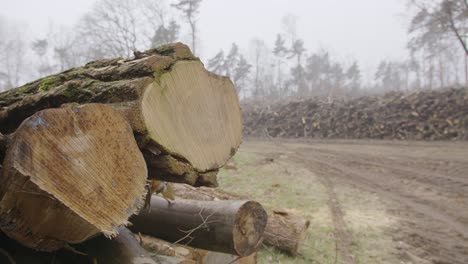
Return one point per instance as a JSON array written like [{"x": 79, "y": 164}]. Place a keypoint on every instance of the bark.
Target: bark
[
  {"x": 233, "y": 227},
  {"x": 176, "y": 108},
  {"x": 167, "y": 168},
  {"x": 199, "y": 256},
  {"x": 123, "y": 249},
  {"x": 3, "y": 145},
  {"x": 285, "y": 230},
  {"x": 69, "y": 174}
]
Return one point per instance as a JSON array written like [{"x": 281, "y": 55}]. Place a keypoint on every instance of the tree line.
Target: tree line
[{"x": 268, "y": 71}]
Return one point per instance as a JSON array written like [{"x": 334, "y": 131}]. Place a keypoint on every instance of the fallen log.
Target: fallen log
[
  {"x": 123, "y": 249},
  {"x": 285, "y": 230},
  {"x": 233, "y": 227},
  {"x": 177, "y": 109},
  {"x": 69, "y": 174}
]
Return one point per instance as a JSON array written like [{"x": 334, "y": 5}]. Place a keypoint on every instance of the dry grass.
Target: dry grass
[{"x": 270, "y": 176}]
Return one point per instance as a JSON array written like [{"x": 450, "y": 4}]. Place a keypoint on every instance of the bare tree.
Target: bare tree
[
  {"x": 119, "y": 27},
  {"x": 436, "y": 23},
  {"x": 12, "y": 55},
  {"x": 280, "y": 52},
  {"x": 190, "y": 9},
  {"x": 165, "y": 34}
]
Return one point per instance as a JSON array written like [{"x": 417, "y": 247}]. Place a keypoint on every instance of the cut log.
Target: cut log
[
  {"x": 123, "y": 249},
  {"x": 69, "y": 174},
  {"x": 176, "y": 107},
  {"x": 285, "y": 230},
  {"x": 233, "y": 227},
  {"x": 199, "y": 256}
]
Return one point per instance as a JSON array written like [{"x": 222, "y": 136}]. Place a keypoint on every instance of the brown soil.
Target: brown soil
[{"x": 423, "y": 184}]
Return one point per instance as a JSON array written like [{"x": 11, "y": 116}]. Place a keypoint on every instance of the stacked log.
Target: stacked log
[
  {"x": 123, "y": 249},
  {"x": 78, "y": 149},
  {"x": 424, "y": 115},
  {"x": 285, "y": 230},
  {"x": 61, "y": 183},
  {"x": 233, "y": 227},
  {"x": 184, "y": 115}
]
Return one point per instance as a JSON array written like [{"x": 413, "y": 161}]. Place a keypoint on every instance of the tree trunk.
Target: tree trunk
[
  {"x": 285, "y": 230},
  {"x": 123, "y": 249},
  {"x": 233, "y": 227},
  {"x": 176, "y": 108},
  {"x": 69, "y": 174}
]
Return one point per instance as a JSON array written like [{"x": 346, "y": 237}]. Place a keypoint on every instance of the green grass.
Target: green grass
[{"x": 280, "y": 183}]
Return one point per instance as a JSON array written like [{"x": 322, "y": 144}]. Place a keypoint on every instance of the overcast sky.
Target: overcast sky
[{"x": 367, "y": 30}]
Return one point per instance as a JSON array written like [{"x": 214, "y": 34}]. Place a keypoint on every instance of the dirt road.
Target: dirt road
[{"x": 422, "y": 185}]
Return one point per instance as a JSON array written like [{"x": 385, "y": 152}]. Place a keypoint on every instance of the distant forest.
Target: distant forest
[{"x": 264, "y": 71}]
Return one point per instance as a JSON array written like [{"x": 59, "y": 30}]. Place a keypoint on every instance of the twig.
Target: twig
[
  {"x": 204, "y": 224},
  {"x": 73, "y": 250},
  {"x": 140, "y": 238},
  {"x": 5, "y": 253}
]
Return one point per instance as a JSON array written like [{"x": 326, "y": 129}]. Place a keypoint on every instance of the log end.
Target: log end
[
  {"x": 68, "y": 174},
  {"x": 250, "y": 225},
  {"x": 194, "y": 115}
]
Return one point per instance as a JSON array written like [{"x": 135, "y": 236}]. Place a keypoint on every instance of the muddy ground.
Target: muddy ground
[{"x": 368, "y": 201}]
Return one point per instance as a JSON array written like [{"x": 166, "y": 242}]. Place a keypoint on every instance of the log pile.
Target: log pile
[
  {"x": 424, "y": 115},
  {"x": 81, "y": 151},
  {"x": 285, "y": 230}
]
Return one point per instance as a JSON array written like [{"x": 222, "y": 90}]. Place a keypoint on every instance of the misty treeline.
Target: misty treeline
[
  {"x": 111, "y": 28},
  {"x": 263, "y": 71}
]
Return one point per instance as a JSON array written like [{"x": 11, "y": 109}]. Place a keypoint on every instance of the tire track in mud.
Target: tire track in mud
[
  {"x": 343, "y": 236},
  {"x": 441, "y": 236}
]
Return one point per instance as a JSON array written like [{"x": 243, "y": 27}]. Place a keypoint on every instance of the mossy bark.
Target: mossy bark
[
  {"x": 123, "y": 83},
  {"x": 103, "y": 81}
]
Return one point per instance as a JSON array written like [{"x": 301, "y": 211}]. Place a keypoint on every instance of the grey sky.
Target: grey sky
[{"x": 367, "y": 30}]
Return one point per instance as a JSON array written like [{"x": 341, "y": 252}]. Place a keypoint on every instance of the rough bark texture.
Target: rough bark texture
[
  {"x": 69, "y": 174},
  {"x": 176, "y": 108},
  {"x": 123, "y": 249},
  {"x": 285, "y": 230},
  {"x": 167, "y": 168},
  {"x": 233, "y": 227},
  {"x": 199, "y": 256},
  {"x": 3, "y": 146}
]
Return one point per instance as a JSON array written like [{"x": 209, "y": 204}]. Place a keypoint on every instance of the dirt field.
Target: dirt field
[{"x": 368, "y": 201}]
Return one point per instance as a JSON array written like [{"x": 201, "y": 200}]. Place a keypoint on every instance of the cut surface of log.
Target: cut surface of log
[
  {"x": 285, "y": 230},
  {"x": 175, "y": 106},
  {"x": 194, "y": 114},
  {"x": 68, "y": 174},
  {"x": 233, "y": 227}
]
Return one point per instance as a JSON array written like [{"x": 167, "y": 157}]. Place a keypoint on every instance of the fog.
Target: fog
[
  {"x": 366, "y": 30},
  {"x": 370, "y": 34}
]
